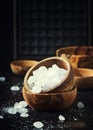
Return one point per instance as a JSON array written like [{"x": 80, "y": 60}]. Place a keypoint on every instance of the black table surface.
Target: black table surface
[{"x": 75, "y": 118}]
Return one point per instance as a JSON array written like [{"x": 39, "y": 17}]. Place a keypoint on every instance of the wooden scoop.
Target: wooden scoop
[{"x": 20, "y": 67}]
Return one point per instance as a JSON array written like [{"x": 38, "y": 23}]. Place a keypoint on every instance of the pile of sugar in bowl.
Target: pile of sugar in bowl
[{"x": 45, "y": 79}]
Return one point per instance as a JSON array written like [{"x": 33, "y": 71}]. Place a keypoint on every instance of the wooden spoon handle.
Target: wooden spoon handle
[
  {"x": 86, "y": 83},
  {"x": 83, "y": 78}
]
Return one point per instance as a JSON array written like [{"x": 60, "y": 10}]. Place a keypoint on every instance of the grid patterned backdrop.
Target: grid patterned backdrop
[{"x": 42, "y": 26}]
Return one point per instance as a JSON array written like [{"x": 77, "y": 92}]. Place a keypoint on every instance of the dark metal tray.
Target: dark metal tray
[{"x": 75, "y": 118}]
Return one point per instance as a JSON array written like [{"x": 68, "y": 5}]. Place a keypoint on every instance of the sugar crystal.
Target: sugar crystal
[
  {"x": 46, "y": 79},
  {"x": 24, "y": 115},
  {"x": 61, "y": 118},
  {"x": 15, "y": 88},
  {"x": 1, "y": 117},
  {"x": 80, "y": 105},
  {"x": 38, "y": 124},
  {"x": 12, "y": 110}
]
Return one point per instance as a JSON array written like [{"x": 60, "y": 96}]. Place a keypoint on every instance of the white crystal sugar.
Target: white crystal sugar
[
  {"x": 15, "y": 88},
  {"x": 24, "y": 115},
  {"x": 80, "y": 105},
  {"x": 19, "y": 107},
  {"x": 61, "y": 118},
  {"x": 1, "y": 117},
  {"x": 12, "y": 110},
  {"x": 2, "y": 78},
  {"x": 45, "y": 79},
  {"x": 38, "y": 124}
]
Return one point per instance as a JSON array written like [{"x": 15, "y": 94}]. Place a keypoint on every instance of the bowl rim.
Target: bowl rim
[
  {"x": 73, "y": 47},
  {"x": 68, "y": 65},
  {"x": 15, "y": 62},
  {"x": 51, "y": 93}
]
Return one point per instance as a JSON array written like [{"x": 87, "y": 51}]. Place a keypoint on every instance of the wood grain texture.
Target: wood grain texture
[
  {"x": 20, "y": 67},
  {"x": 78, "y": 56},
  {"x": 75, "y": 50},
  {"x": 83, "y": 78},
  {"x": 57, "y": 99},
  {"x": 50, "y": 101}
]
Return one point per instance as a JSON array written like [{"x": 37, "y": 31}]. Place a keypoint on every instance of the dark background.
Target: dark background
[{"x": 6, "y": 33}]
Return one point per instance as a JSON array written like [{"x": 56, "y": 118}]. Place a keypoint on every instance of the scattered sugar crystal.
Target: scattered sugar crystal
[
  {"x": 24, "y": 115},
  {"x": 18, "y": 107},
  {"x": 2, "y": 78},
  {"x": 15, "y": 88},
  {"x": 23, "y": 104},
  {"x": 80, "y": 105},
  {"x": 75, "y": 119},
  {"x": 46, "y": 79},
  {"x": 1, "y": 117},
  {"x": 38, "y": 124},
  {"x": 12, "y": 110},
  {"x": 22, "y": 110},
  {"x": 61, "y": 118}
]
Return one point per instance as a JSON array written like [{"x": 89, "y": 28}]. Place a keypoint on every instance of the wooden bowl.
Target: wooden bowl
[
  {"x": 75, "y": 50},
  {"x": 49, "y": 101},
  {"x": 83, "y": 78},
  {"x": 81, "y": 61},
  {"x": 20, "y": 67},
  {"x": 65, "y": 84},
  {"x": 78, "y": 56},
  {"x": 60, "y": 97}
]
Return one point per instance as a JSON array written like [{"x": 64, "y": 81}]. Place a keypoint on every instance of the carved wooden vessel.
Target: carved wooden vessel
[
  {"x": 20, "y": 67},
  {"x": 79, "y": 56},
  {"x": 60, "y": 97}
]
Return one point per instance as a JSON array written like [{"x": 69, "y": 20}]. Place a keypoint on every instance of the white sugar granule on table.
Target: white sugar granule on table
[
  {"x": 80, "y": 105},
  {"x": 24, "y": 115},
  {"x": 18, "y": 107},
  {"x": 22, "y": 110},
  {"x": 2, "y": 78},
  {"x": 15, "y": 88},
  {"x": 38, "y": 124},
  {"x": 61, "y": 117},
  {"x": 20, "y": 104},
  {"x": 23, "y": 104},
  {"x": 11, "y": 110},
  {"x": 45, "y": 79},
  {"x": 1, "y": 117}
]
